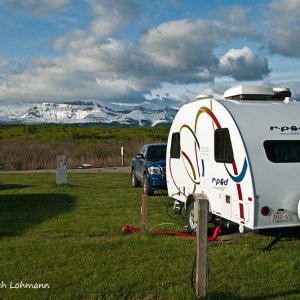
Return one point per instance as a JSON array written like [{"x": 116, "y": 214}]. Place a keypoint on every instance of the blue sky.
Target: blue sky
[{"x": 132, "y": 51}]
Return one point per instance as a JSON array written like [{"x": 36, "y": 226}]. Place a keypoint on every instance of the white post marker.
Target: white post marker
[
  {"x": 61, "y": 170},
  {"x": 122, "y": 156}
]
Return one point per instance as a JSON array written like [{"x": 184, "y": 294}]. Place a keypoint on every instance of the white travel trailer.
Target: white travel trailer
[{"x": 243, "y": 153}]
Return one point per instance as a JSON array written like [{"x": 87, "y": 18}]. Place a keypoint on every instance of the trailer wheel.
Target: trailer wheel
[
  {"x": 147, "y": 189},
  {"x": 190, "y": 216},
  {"x": 134, "y": 181}
]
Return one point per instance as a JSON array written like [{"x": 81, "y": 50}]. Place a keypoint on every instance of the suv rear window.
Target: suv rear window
[{"x": 280, "y": 151}]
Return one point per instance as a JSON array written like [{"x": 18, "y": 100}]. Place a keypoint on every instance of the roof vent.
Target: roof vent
[{"x": 203, "y": 96}]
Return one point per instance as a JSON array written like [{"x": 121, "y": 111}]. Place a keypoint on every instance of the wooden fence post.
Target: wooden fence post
[
  {"x": 201, "y": 260},
  {"x": 144, "y": 213}
]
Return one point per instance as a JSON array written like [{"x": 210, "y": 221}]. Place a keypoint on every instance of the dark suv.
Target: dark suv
[{"x": 149, "y": 167}]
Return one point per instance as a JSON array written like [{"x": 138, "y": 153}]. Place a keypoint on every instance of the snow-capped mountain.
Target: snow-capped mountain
[{"x": 90, "y": 112}]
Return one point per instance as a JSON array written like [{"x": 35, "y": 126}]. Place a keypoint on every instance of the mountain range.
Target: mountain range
[{"x": 85, "y": 112}]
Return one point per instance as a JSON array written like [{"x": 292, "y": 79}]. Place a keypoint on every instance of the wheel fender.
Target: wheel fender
[{"x": 193, "y": 197}]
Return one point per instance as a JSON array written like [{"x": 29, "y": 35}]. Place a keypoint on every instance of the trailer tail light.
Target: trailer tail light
[{"x": 265, "y": 210}]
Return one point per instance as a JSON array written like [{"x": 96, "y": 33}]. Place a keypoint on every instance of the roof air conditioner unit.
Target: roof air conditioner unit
[{"x": 249, "y": 92}]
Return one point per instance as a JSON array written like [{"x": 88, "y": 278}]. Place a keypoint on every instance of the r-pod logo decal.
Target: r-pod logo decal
[
  {"x": 219, "y": 181},
  {"x": 285, "y": 128}
]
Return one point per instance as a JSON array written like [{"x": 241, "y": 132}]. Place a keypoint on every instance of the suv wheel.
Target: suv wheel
[
  {"x": 134, "y": 181},
  {"x": 147, "y": 189}
]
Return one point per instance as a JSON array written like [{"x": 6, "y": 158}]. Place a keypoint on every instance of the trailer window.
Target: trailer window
[
  {"x": 175, "y": 145},
  {"x": 223, "y": 147},
  {"x": 281, "y": 151}
]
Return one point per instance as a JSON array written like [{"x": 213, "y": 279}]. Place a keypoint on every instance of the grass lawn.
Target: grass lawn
[{"x": 70, "y": 238}]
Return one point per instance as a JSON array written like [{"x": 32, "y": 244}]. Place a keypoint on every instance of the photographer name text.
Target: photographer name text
[{"x": 24, "y": 285}]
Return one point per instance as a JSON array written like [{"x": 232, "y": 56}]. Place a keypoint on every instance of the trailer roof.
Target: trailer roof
[{"x": 256, "y": 117}]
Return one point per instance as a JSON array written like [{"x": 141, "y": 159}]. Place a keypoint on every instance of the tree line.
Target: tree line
[{"x": 34, "y": 147}]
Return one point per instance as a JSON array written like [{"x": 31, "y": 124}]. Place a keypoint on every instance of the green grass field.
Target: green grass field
[{"x": 70, "y": 238}]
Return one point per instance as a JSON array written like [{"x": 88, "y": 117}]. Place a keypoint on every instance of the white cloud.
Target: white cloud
[
  {"x": 105, "y": 71},
  {"x": 112, "y": 16},
  {"x": 235, "y": 21},
  {"x": 38, "y": 6},
  {"x": 284, "y": 29},
  {"x": 288, "y": 9},
  {"x": 285, "y": 42},
  {"x": 184, "y": 50},
  {"x": 109, "y": 18},
  {"x": 182, "y": 44},
  {"x": 244, "y": 64},
  {"x": 74, "y": 41},
  {"x": 99, "y": 65}
]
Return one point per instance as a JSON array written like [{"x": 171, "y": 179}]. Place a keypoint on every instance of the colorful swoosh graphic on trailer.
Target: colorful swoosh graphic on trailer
[
  {"x": 241, "y": 176},
  {"x": 237, "y": 177},
  {"x": 187, "y": 158}
]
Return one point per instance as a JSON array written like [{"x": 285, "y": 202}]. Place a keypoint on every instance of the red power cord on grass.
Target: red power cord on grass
[{"x": 130, "y": 229}]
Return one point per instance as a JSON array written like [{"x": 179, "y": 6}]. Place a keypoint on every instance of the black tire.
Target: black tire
[
  {"x": 190, "y": 217},
  {"x": 134, "y": 181},
  {"x": 147, "y": 189}
]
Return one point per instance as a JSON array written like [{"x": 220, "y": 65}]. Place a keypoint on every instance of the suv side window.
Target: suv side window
[
  {"x": 145, "y": 150},
  {"x": 142, "y": 150}
]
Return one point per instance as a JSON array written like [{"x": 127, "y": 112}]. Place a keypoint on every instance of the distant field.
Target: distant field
[
  {"x": 32, "y": 147},
  {"x": 70, "y": 238}
]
